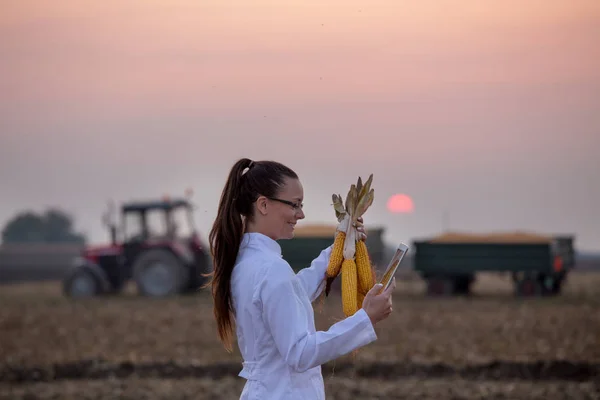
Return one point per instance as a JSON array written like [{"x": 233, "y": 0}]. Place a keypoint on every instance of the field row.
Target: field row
[
  {"x": 40, "y": 327},
  {"x": 336, "y": 389}
]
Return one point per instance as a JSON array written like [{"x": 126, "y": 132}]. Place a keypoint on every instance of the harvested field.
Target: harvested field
[
  {"x": 336, "y": 389},
  {"x": 489, "y": 345}
]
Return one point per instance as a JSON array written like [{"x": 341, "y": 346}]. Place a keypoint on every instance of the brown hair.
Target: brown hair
[{"x": 247, "y": 181}]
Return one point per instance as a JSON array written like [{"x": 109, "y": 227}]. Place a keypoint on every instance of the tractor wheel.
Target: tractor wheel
[
  {"x": 81, "y": 283},
  {"x": 159, "y": 273},
  {"x": 203, "y": 266}
]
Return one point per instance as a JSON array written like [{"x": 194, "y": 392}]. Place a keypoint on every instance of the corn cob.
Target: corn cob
[
  {"x": 360, "y": 298},
  {"x": 335, "y": 260},
  {"x": 337, "y": 255},
  {"x": 349, "y": 254},
  {"x": 349, "y": 287},
  {"x": 366, "y": 276}
]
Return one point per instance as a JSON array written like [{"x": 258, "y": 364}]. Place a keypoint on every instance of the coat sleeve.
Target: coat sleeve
[
  {"x": 312, "y": 278},
  {"x": 291, "y": 324}
]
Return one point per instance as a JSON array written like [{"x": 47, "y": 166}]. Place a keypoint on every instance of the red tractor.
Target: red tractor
[{"x": 159, "y": 250}]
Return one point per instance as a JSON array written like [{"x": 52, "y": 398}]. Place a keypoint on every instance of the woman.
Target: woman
[{"x": 260, "y": 204}]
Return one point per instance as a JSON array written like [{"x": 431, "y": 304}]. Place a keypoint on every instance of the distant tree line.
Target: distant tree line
[{"x": 52, "y": 226}]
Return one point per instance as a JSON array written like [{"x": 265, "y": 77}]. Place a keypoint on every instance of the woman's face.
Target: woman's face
[{"x": 285, "y": 209}]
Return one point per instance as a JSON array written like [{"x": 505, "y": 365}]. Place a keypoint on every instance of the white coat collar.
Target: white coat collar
[{"x": 260, "y": 241}]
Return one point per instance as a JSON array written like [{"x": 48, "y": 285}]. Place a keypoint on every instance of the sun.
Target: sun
[{"x": 400, "y": 203}]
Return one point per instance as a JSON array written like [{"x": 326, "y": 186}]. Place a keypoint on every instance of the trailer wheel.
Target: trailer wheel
[
  {"x": 556, "y": 283},
  {"x": 556, "y": 286},
  {"x": 462, "y": 285},
  {"x": 528, "y": 287},
  {"x": 439, "y": 286}
]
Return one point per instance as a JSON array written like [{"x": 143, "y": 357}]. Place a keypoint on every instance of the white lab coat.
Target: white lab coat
[{"x": 275, "y": 326}]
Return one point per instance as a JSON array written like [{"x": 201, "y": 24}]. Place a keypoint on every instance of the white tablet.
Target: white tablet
[{"x": 392, "y": 267}]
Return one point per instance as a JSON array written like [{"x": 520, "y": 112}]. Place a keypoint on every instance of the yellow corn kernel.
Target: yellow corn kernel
[
  {"x": 349, "y": 287},
  {"x": 337, "y": 255},
  {"x": 361, "y": 298},
  {"x": 366, "y": 274}
]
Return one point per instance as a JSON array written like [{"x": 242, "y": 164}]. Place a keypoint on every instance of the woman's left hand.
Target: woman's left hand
[{"x": 360, "y": 228}]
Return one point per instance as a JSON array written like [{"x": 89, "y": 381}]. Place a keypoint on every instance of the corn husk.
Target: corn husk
[{"x": 358, "y": 199}]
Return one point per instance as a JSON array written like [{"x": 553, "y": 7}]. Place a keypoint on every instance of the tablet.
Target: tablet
[{"x": 392, "y": 267}]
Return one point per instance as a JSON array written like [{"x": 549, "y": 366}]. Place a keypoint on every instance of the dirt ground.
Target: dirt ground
[
  {"x": 488, "y": 345},
  {"x": 336, "y": 389}
]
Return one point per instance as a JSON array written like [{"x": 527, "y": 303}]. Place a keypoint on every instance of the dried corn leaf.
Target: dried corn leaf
[
  {"x": 367, "y": 186},
  {"x": 340, "y": 211}
]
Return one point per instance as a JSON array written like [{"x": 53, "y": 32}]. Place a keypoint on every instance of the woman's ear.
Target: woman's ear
[{"x": 261, "y": 205}]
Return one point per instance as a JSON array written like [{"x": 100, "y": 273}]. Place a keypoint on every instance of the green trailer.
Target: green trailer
[
  {"x": 310, "y": 240},
  {"x": 538, "y": 264}
]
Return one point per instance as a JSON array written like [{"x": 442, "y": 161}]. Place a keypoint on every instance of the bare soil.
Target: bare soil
[
  {"x": 487, "y": 345},
  {"x": 336, "y": 389}
]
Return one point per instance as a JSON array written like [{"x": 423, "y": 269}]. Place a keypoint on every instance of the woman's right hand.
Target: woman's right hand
[{"x": 379, "y": 306}]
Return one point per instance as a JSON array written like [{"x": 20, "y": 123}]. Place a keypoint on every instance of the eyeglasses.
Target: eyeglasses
[{"x": 295, "y": 206}]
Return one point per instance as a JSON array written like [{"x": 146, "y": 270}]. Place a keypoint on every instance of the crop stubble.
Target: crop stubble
[{"x": 42, "y": 331}]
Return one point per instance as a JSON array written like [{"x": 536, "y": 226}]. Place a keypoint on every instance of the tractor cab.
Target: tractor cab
[
  {"x": 167, "y": 223},
  {"x": 150, "y": 223},
  {"x": 156, "y": 220},
  {"x": 156, "y": 245}
]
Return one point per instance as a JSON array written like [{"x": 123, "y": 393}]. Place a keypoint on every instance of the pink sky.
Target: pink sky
[{"x": 502, "y": 95}]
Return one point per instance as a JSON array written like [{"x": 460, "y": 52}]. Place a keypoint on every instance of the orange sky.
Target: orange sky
[
  {"x": 504, "y": 94},
  {"x": 141, "y": 51}
]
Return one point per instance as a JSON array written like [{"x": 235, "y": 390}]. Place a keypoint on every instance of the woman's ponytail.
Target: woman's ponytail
[{"x": 225, "y": 238}]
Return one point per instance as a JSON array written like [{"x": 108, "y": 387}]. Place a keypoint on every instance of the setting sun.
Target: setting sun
[{"x": 400, "y": 203}]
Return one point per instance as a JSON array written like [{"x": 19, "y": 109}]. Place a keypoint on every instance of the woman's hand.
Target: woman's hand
[
  {"x": 360, "y": 228},
  {"x": 379, "y": 306}
]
